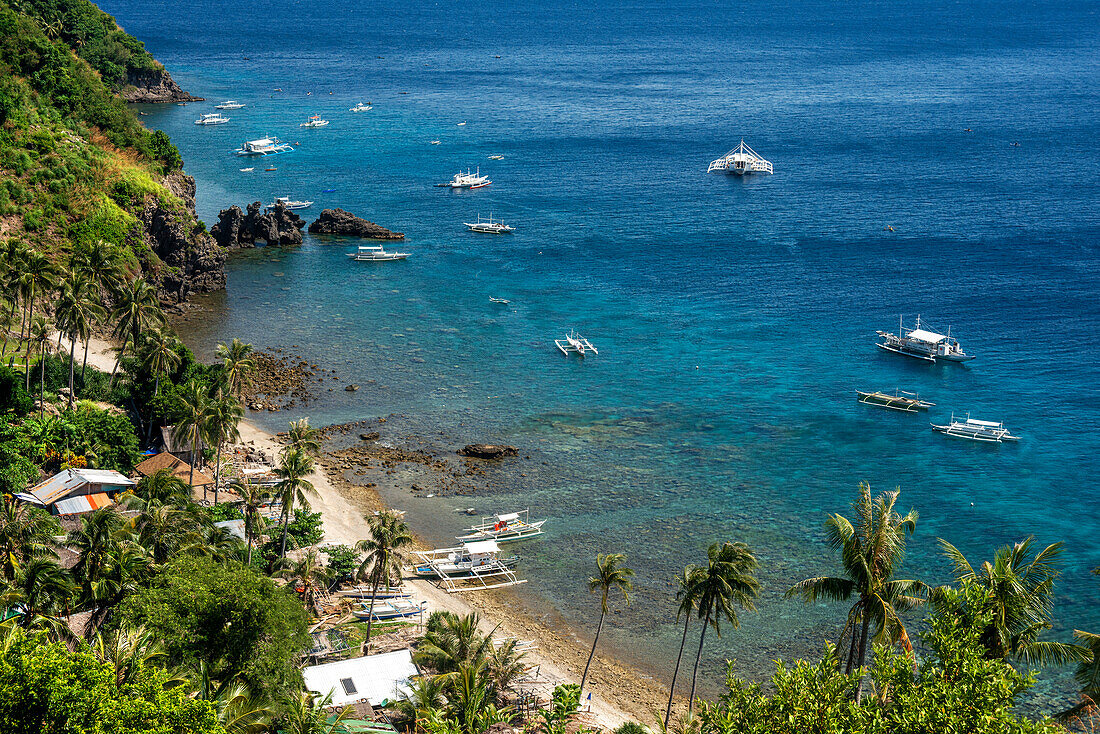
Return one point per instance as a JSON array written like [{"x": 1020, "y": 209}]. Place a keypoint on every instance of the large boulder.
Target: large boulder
[
  {"x": 276, "y": 226},
  {"x": 338, "y": 221},
  {"x": 488, "y": 451},
  {"x": 152, "y": 86}
]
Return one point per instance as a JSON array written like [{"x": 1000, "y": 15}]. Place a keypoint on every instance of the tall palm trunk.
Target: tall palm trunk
[
  {"x": 249, "y": 532},
  {"x": 191, "y": 474},
  {"x": 592, "y": 654},
  {"x": 7, "y": 325},
  {"x": 370, "y": 618},
  {"x": 676, "y": 672},
  {"x": 698, "y": 657},
  {"x": 84, "y": 366},
  {"x": 72, "y": 371},
  {"x": 286, "y": 524},
  {"x": 41, "y": 387},
  {"x": 862, "y": 651},
  {"x": 156, "y": 391}
]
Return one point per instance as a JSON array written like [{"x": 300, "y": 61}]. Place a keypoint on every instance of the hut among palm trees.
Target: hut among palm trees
[
  {"x": 369, "y": 680},
  {"x": 75, "y": 491},
  {"x": 177, "y": 466},
  {"x": 179, "y": 446}
]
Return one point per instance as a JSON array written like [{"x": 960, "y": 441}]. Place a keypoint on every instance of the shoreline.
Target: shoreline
[{"x": 620, "y": 693}]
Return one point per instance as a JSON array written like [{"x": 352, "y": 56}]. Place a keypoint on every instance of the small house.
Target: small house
[
  {"x": 179, "y": 468},
  {"x": 371, "y": 679},
  {"x": 75, "y": 491}
]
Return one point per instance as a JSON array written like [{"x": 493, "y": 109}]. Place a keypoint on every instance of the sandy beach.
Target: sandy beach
[{"x": 619, "y": 693}]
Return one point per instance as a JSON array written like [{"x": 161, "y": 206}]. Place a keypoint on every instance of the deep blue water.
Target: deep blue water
[{"x": 734, "y": 318}]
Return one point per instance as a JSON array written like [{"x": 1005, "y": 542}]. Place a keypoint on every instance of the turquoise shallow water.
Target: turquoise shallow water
[{"x": 735, "y": 318}]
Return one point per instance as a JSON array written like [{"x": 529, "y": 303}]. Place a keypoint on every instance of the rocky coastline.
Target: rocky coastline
[
  {"x": 340, "y": 222},
  {"x": 154, "y": 87},
  {"x": 276, "y": 225}
]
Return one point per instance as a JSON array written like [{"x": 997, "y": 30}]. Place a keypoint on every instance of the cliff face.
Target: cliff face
[
  {"x": 188, "y": 259},
  {"x": 157, "y": 85}
]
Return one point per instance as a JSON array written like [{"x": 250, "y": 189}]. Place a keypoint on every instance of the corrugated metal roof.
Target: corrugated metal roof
[
  {"x": 63, "y": 484},
  {"x": 375, "y": 678},
  {"x": 83, "y": 503}
]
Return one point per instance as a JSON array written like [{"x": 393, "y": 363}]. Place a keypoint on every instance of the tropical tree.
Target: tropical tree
[
  {"x": 253, "y": 498},
  {"x": 77, "y": 309},
  {"x": 610, "y": 574},
  {"x": 423, "y": 695},
  {"x": 45, "y": 590},
  {"x": 725, "y": 584},
  {"x": 239, "y": 710},
  {"x": 385, "y": 552},
  {"x": 127, "y": 567},
  {"x": 686, "y": 595},
  {"x": 26, "y": 532},
  {"x": 127, "y": 650},
  {"x": 193, "y": 427},
  {"x": 40, "y": 338},
  {"x": 294, "y": 466},
  {"x": 136, "y": 310},
  {"x": 13, "y": 253},
  {"x": 302, "y": 436},
  {"x": 1019, "y": 591},
  {"x": 37, "y": 276},
  {"x": 101, "y": 262},
  {"x": 870, "y": 551},
  {"x": 452, "y": 643},
  {"x": 309, "y": 573},
  {"x": 94, "y": 541},
  {"x": 163, "y": 487},
  {"x": 160, "y": 355},
  {"x": 306, "y": 716},
  {"x": 1087, "y": 674},
  {"x": 224, "y": 414},
  {"x": 164, "y": 530},
  {"x": 238, "y": 365}
]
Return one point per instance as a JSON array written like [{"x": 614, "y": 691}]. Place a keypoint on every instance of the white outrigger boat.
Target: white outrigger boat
[
  {"x": 909, "y": 402},
  {"x": 469, "y": 567},
  {"x": 491, "y": 226},
  {"x": 314, "y": 121},
  {"x": 231, "y": 104},
  {"x": 364, "y": 591},
  {"x": 923, "y": 344},
  {"x": 468, "y": 180},
  {"x": 387, "y": 610},
  {"x": 361, "y": 108},
  {"x": 264, "y": 147},
  {"x": 574, "y": 343},
  {"x": 288, "y": 204},
  {"x": 375, "y": 253},
  {"x": 494, "y": 299},
  {"x": 504, "y": 528},
  {"x": 975, "y": 430},
  {"x": 212, "y": 118},
  {"x": 739, "y": 161}
]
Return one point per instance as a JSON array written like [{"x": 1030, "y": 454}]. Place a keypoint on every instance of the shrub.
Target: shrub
[
  {"x": 306, "y": 528},
  {"x": 343, "y": 562},
  {"x": 16, "y": 469},
  {"x": 13, "y": 396},
  {"x": 112, "y": 436}
]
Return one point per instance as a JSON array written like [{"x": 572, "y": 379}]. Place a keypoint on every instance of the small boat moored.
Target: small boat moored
[
  {"x": 574, "y": 343},
  {"x": 212, "y": 118},
  {"x": 314, "y": 121},
  {"x": 976, "y": 430},
  {"x": 504, "y": 528},
  {"x": 468, "y": 180},
  {"x": 921, "y": 343},
  {"x": 231, "y": 104},
  {"x": 361, "y": 108},
  {"x": 288, "y": 204},
  {"x": 489, "y": 226},
  {"x": 493, "y": 299},
  {"x": 375, "y": 253},
  {"x": 908, "y": 402},
  {"x": 264, "y": 146},
  {"x": 473, "y": 565},
  {"x": 739, "y": 161}
]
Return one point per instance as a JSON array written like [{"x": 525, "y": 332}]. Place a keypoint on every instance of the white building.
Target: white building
[{"x": 374, "y": 678}]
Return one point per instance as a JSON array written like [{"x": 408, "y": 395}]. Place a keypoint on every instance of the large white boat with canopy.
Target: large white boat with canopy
[
  {"x": 976, "y": 430},
  {"x": 212, "y": 118},
  {"x": 504, "y": 528},
  {"x": 739, "y": 161},
  {"x": 922, "y": 343},
  {"x": 470, "y": 567},
  {"x": 264, "y": 147}
]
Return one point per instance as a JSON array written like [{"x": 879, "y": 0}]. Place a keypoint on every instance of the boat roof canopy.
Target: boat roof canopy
[
  {"x": 926, "y": 336},
  {"x": 483, "y": 546},
  {"x": 987, "y": 424},
  {"x": 508, "y": 517}
]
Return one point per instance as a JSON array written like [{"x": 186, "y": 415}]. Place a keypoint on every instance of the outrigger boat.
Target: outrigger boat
[
  {"x": 740, "y": 160},
  {"x": 506, "y": 528},
  {"x": 288, "y": 204},
  {"x": 469, "y": 567},
  {"x": 364, "y": 591},
  {"x": 375, "y": 253},
  {"x": 467, "y": 180},
  {"x": 314, "y": 121},
  {"x": 490, "y": 226},
  {"x": 213, "y": 118},
  {"x": 907, "y": 401},
  {"x": 574, "y": 343},
  {"x": 264, "y": 146},
  {"x": 975, "y": 430},
  {"x": 361, "y": 108},
  {"x": 229, "y": 105},
  {"x": 387, "y": 610},
  {"x": 923, "y": 344}
]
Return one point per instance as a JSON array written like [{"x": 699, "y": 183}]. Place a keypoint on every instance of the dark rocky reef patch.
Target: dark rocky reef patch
[
  {"x": 154, "y": 86},
  {"x": 275, "y": 226},
  {"x": 340, "y": 222},
  {"x": 487, "y": 451}
]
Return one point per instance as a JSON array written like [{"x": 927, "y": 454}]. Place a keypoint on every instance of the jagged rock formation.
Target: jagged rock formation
[
  {"x": 144, "y": 85},
  {"x": 338, "y": 221},
  {"x": 187, "y": 258},
  {"x": 277, "y": 226},
  {"x": 487, "y": 451}
]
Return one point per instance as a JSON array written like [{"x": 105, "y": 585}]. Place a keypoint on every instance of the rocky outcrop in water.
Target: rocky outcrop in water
[
  {"x": 487, "y": 451},
  {"x": 275, "y": 226},
  {"x": 338, "y": 221},
  {"x": 154, "y": 86},
  {"x": 187, "y": 259}
]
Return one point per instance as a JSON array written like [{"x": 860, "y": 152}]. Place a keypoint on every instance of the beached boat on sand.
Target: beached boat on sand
[
  {"x": 387, "y": 610},
  {"x": 504, "y": 528},
  {"x": 364, "y": 591},
  {"x": 921, "y": 343},
  {"x": 471, "y": 566},
  {"x": 976, "y": 430},
  {"x": 898, "y": 400}
]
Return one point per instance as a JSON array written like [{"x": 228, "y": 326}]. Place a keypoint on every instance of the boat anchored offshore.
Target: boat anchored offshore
[
  {"x": 231, "y": 104},
  {"x": 923, "y": 344},
  {"x": 471, "y": 566},
  {"x": 576, "y": 344},
  {"x": 314, "y": 121},
  {"x": 900, "y": 400},
  {"x": 975, "y": 430},
  {"x": 212, "y": 118},
  {"x": 375, "y": 253},
  {"x": 288, "y": 204},
  {"x": 361, "y": 108},
  {"x": 264, "y": 146},
  {"x": 504, "y": 528},
  {"x": 740, "y": 160},
  {"x": 468, "y": 180},
  {"x": 490, "y": 226},
  {"x": 493, "y": 299}
]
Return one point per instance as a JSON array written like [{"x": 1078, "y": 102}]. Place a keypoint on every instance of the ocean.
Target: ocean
[{"x": 934, "y": 158}]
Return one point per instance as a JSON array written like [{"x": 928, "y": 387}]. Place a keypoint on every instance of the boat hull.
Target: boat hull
[{"x": 971, "y": 435}]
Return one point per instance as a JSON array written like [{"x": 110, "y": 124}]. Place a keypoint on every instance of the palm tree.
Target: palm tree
[
  {"x": 101, "y": 263},
  {"x": 40, "y": 337},
  {"x": 164, "y": 530},
  {"x": 1019, "y": 591},
  {"x": 163, "y": 487},
  {"x": 310, "y": 573},
  {"x": 45, "y": 589},
  {"x": 38, "y": 276},
  {"x": 77, "y": 309},
  {"x": 253, "y": 497},
  {"x": 385, "y": 552},
  {"x": 687, "y": 596},
  {"x": 224, "y": 415},
  {"x": 302, "y": 436},
  {"x": 94, "y": 542},
  {"x": 26, "y": 532},
  {"x": 127, "y": 650},
  {"x": 1087, "y": 674},
  {"x": 238, "y": 709},
  {"x": 424, "y": 695},
  {"x": 193, "y": 427},
  {"x": 238, "y": 366},
  {"x": 452, "y": 643},
  {"x": 610, "y": 574},
  {"x": 127, "y": 567},
  {"x": 871, "y": 551},
  {"x": 306, "y": 716},
  {"x": 136, "y": 310},
  {"x": 294, "y": 466},
  {"x": 12, "y": 256},
  {"x": 160, "y": 359}
]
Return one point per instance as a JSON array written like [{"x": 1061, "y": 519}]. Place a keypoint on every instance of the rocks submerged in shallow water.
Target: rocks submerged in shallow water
[
  {"x": 372, "y": 436},
  {"x": 338, "y": 221},
  {"x": 488, "y": 451},
  {"x": 351, "y": 388}
]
